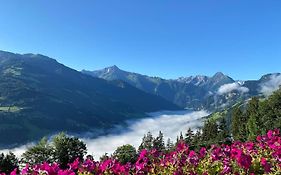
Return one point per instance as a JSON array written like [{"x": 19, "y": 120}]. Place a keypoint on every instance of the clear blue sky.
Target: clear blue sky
[{"x": 167, "y": 38}]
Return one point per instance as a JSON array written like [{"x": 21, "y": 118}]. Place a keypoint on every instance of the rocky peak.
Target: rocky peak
[{"x": 219, "y": 75}]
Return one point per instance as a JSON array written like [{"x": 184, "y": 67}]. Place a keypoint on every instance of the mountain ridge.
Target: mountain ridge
[{"x": 197, "y": 92}]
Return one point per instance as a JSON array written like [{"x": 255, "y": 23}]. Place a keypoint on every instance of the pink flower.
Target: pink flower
[
  {"x": 259, "y": 138},
  {"x": 249, "y": 146},
  {"x": 66, "y": 172},
  {"x": 265, "y": 165},
  {"x": 270, "y": 134},
  {"x": 25, "y": 170},
  {"x": 202, "y": 152},
  {"x": 74, "y": 165},
  {"x": 226, "y": 169},
  {"x": 105, "y": 165},
  {"x": 245, "y": 161},
  {"x": 14, "y": 172},
  {"x": 143, "y": 153}
]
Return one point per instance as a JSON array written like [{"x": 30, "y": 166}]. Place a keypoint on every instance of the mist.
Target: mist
[
  {"x": 271, "y": 85},
  {"x": 171, "y": 123},
  {"x": 227, "y": 88},
  {"x": 18, "y": 151}
]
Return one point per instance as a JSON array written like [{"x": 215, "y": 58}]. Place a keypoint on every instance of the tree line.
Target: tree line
[{"x": 246, "y": 122}]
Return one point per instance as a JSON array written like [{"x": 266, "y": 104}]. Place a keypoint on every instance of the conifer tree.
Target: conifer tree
[
  {"x": 158, "y": 142},
  {"x": 170, "y": 145},
  {"x": 223, "y": 133},
  {"x": 181, "y": 136},
  {"x": 209, "y": 132},
  {"x": 147, "y": 142},
  {"x": 236, "y": 123},
  {"x": 253, "y": 123},
  {"x": 189, "y": 136},
  {"x": 197, "y": 140}
]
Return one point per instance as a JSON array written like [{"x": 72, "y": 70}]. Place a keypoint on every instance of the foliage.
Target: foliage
[
  {"x": 147, "y": 142},
  {"x": 237, "y": 124},
  {"x": 158, "y": 142},
  {"x": 8, "y": 162},
  {"x": 67, "y": 149},
  {"x": 258, "y": 117},
  {"x": 189, "y": 136},
  {"x": 262, "y": 156},
  {"x": 42, "y": 152},
  {"x": 62, "y": 149},
  {"x": 170, "y": 145},
  {"x": 126, "y": 153}
]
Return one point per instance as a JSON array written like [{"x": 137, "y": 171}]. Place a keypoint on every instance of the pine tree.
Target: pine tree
[
  {"x": 236, "y": 123},
  {"x": 272, "y": 111},
  {"x": 177, "y": 140},
  {"x": 189, "y": 136},
  {"x": 147, "y": 142},
  {"x": 158, "y": 142},
  {"x": 197, "y": 140},
  {"x": 253, "y": 123},
  {"x": 223, "y": 134},
  {"x": 253, "y": 128},
  {"x": 209, "y": 132},
  {"x": 170, "y": 146},
  {"x": 181, "y": 136}
]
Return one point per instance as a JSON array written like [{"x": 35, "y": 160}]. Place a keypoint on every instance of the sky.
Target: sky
[{"x": 165, "y": 38}]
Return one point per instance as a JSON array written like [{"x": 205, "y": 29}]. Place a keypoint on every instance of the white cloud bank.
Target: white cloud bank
[
  {"x": 18, "y": 151},
  {"x": 227, "y": 88},
  {"x": 271, "y": 85},
  {"x": 171, "y": 123}
]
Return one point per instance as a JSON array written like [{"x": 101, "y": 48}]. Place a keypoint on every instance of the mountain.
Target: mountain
[
  {"x": 189, "y": 92},
  {"x": 39, "y": 96},
  {"x": 196, "y": 92}
]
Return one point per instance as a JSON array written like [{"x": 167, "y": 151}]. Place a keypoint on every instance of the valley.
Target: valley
[
  {"x": 140, "y": 87},
  {"x": 171, "y": 123},
  {"x": 41, "y": 97}
]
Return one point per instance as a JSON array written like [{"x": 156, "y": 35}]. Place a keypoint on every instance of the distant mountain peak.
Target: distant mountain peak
[
  {"x": 115, "y": 67},
  {"x": 109, "y": 70},
  {"x": 219, "y": 75},
  {"x": 112, "y": 68}
]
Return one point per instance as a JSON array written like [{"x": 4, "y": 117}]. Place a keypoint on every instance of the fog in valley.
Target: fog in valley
[{"x": 171, "y": 123}]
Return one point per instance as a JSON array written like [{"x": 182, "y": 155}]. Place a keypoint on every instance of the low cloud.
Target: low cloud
[
  {"x": 271, "y": 85},
  {"x": 171, "y": 123},
  {"x": 227, "y": 88},
  {"x": 18, "y": 151}
]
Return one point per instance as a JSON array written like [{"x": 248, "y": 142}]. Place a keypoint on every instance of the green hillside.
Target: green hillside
[{"x": 40, "y": 96}]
